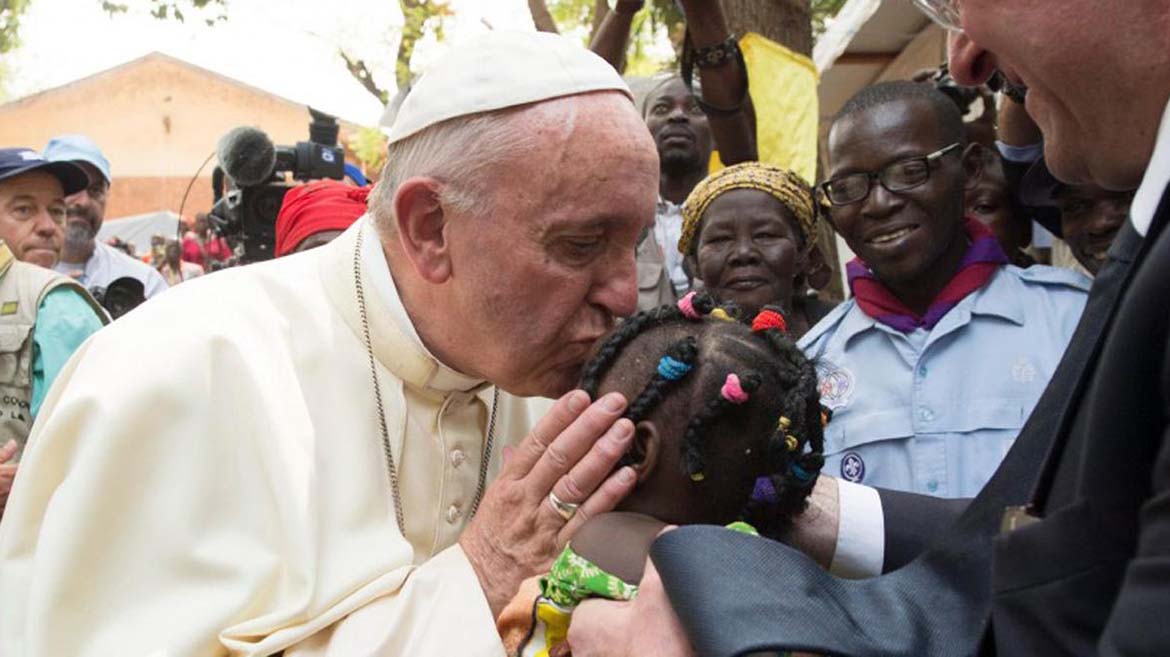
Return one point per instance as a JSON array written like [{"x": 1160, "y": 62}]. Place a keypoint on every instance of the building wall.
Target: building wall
[{"x": 157, "y": 119}]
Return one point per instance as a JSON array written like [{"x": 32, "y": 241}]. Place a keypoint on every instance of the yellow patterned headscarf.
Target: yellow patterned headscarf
[{"x": 786, "y": 186}]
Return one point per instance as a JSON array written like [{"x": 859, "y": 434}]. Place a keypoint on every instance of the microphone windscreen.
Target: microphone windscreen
[{"x": 247, "y": 155}]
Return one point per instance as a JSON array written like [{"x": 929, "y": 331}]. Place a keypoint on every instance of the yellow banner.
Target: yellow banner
[{"x": 783, "y": 87}]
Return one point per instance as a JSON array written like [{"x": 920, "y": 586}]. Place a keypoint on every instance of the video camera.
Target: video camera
[{"x": 252, "y": 178}]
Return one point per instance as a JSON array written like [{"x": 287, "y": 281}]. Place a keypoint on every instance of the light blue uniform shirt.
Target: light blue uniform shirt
[
  {"x": 64, "y": 321},
  {"x": 934, "y": 412}
]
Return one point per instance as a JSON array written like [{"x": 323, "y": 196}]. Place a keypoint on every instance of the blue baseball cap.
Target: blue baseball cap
[
  {"x": 15, "y": 161},
  {"x": 78, "y": 148}
]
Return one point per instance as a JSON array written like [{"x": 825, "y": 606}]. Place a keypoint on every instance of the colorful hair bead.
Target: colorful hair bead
[
  {"x": 687, "y": 306},
  {"x": 791, "y": 442},
  {"x": 765, "y": 491},
  {"x": 698, "y": 476},
  {"x": 671, "y": 369},
  {"x": 769, "y": 319},
  {"x": 799, "y": 472},
  {"x": 784, "y": 423},
  {"x": 733, "y": 391},
  {"x": 721, "y": 314}
]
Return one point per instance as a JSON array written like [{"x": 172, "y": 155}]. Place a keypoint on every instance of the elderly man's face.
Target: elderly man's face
[
  {"x": 32, "y": 217},
  {"x": 542, "y": 270},
  {"x": 1079, "y": 93}
]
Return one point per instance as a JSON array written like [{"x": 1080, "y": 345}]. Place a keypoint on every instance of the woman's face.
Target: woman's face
[{"x": 748, "y": 250}]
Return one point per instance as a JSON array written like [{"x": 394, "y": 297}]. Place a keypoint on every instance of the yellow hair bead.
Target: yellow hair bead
[
  {"x": 721, "y": 314},
  {"x": 785, "y": 423},
  {"x": 791, "y": 442},
  {"x": 698, "y": 476}
]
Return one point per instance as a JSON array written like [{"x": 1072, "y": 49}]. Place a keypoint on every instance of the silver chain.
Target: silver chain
[{"x": 390, "y": 467}]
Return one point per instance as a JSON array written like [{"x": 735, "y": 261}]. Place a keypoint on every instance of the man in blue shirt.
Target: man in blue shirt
[
  {"x": 44, "y": 316},
  {"x": 934, "y": 364}
]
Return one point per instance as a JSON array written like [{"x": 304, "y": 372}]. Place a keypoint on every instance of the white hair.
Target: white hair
[{"x": 464, "y": 154}]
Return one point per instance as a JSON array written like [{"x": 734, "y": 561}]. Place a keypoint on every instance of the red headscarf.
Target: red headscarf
[{"x": 317, "y": 207}]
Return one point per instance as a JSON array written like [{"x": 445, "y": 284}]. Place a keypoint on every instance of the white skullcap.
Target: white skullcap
[{"x": 502, "y": 69}]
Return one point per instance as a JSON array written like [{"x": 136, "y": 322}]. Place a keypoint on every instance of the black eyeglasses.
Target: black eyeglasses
[{"x": 896, "y": 177}]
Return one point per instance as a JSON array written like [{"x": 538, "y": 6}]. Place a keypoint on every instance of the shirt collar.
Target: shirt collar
[
  {"x": 1003, "y": 296},
  {"x": 1154, "y": 183},
  {"x": 378, "y": 270},
  {"x": 999, "y": 298}
]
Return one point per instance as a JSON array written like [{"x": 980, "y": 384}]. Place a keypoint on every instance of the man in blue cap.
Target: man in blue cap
[
  {"x": 44, "y": 316},
  {"x": 94, "y": 264}
]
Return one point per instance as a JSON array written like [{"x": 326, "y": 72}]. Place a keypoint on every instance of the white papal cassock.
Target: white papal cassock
[{"x": 208, "y": 478}]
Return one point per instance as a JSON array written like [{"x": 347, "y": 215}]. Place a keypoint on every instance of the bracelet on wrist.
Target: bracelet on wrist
[{"x": 712, "y": 57}]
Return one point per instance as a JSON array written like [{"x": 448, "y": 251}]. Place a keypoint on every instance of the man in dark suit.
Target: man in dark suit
[{"x": 1066, "y": 551}]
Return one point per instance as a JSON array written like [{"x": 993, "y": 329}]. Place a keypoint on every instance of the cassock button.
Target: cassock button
[
  {"x": 457, "y": 458},
  {"x": 453, "y": 513}
]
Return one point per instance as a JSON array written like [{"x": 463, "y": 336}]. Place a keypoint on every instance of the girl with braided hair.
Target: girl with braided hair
[
  {"x": 728, "y": 427},
  {"x": 750, "y": 234}
]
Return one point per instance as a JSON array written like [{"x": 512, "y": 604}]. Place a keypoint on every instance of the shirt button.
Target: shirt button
[
  {"x": 453, "y": 513},
  {"x": 932, "y": 485},
  {"x": 926, "y": 415},
  {"x": 457, "y": 458},
  {"x": 922, "y": 373}
]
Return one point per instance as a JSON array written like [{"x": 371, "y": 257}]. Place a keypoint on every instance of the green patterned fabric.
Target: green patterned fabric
[{"x": 574, "y": 578}]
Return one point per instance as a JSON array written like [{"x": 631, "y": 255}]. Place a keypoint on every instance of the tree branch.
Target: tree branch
[
  {"x": 361, "y": 73},
  {"x": 541, "y": 18}
]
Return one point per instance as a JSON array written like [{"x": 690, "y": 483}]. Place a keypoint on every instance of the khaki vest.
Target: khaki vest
[{"x": 22, "y": 288}]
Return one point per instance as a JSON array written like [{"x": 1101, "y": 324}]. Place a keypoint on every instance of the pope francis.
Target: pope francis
[{"x": 334, "y": 453}]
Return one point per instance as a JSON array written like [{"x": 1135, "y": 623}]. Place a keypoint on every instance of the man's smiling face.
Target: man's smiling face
[{"x": 903, "y": 236}]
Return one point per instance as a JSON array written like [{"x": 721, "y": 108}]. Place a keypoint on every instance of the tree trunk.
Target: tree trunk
[
  {"x": 788, "y": 22},
  {"x": 541, "y": 18},
  {"x": 784, "y": 21},
  {"x": 600, "y": 9}
]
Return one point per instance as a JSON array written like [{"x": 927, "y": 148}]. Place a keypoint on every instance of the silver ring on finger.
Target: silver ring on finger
[{"x": 564, "y": 509}]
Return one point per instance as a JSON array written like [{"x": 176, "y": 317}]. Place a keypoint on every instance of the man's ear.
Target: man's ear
[
  {"x": 973, "y": 158},
  {"x": 646, "y": 449},
  {"x": 816, "y": 270},
  {"x": 421, "y": 221}
]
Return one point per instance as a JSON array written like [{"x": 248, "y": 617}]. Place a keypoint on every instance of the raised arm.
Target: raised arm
[
  {"x": 613, "y": 37},
  {"x": 724, "y": 86}
]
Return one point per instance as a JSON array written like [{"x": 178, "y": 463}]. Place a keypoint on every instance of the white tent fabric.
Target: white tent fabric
[{"x": 137, "y": 229}]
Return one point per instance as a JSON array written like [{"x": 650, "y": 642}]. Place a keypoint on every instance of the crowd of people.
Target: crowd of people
[{"x": 354, "y": 448}]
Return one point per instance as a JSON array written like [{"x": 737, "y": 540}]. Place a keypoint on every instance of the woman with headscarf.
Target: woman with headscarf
[{"x": 749, "y": 232}]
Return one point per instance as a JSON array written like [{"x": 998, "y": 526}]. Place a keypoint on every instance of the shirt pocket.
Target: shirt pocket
[
  {"x": 12, "y": 343},
  {"x": 848, "y": 431},
  {"x": 968, "y": 416}
]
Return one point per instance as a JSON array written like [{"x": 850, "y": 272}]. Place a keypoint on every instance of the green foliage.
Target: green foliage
[
  {"x": 369, "y": 146},
  {"x": 822, "y": 11},
  {"x": 173, "y": 9},
  {"x": 10, "y": 13}
]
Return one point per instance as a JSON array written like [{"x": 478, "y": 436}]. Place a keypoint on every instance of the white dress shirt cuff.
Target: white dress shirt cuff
[{"x": 861, "y": 532}]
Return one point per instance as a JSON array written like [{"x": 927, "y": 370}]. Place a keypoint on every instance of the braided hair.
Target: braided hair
[{"x": 725, "y": 370}]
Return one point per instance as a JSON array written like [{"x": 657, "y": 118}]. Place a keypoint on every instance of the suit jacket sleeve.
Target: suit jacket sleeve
[{"x": 913, "y": 522}]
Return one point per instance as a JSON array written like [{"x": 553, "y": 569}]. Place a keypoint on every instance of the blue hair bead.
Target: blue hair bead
[
  {"x": 799, "y": 472},
  {"x": 671, "y": 369}
]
